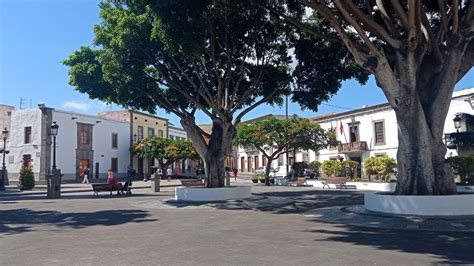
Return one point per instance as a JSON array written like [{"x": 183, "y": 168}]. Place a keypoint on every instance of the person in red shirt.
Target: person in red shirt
[{"x": 111, "y": 180}]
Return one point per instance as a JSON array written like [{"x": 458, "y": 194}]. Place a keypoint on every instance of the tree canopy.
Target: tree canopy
[{"x": 223, "y": 58}]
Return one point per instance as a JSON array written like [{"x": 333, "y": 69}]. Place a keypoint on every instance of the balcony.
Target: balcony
[
  {"x": 463, "y": 140},
  {"x": 353, "y": 147}
]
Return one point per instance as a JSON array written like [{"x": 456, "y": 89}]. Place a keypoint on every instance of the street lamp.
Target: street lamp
[
  {"x": 54, "y": 133},
  {"x": 4, "y": 169},
  {"x": 457, "y": 123}
]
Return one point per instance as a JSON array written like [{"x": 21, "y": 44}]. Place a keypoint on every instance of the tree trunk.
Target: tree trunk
[
  {"x": 422, "y": 167},
  {"x": 214, "y": 152},
  {"x": 220, "y": 145},
  {"x": 267, "y": 171}
]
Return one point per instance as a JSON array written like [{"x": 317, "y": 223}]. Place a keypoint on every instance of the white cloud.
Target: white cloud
[
  {"x": 77, "y": 105},
  {"x": 88, "y": 106}
]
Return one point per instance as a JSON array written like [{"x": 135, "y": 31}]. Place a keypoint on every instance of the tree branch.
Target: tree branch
[
  {"x": 401, "y": 13},
  {"x": 370, "y": 24}
]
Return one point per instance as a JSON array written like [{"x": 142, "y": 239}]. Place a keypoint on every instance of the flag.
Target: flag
[{"x": 341, "y": 128}]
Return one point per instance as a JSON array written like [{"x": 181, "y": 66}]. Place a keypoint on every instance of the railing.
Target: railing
[
  {"x": 358, "y": 146},
  {"x": 459, "y": 140}
]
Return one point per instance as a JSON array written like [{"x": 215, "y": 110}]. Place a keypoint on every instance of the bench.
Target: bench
[
  {"x": 192, "y": 183},
  {"x": 341, "y": 181},
  {"x": 107, "y": 187},
  {"x": 300, "y": 181}
]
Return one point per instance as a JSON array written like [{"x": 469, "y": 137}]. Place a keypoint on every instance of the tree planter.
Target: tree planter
[
  {"x": 461, "y": 204},
  {"x": 200, "y": 194}
]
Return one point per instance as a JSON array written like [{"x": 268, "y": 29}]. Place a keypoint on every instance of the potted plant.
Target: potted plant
[
  {"x": 261, "y": 178},
  {"x": 254, "y": 179},
  {"x": 27, "y": 178}
]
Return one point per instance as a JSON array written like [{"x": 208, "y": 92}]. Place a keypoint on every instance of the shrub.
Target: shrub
[
  {"x": 331, "y": 167},
  {"x": 349, "y": 168},
  {"x": 315, "y": 166},
  {"x": 261, "y": 178},
  {"x": 380, "y": 166},
  {"x": 27, "y": 178},
  {"x": 464, "y": 167}
]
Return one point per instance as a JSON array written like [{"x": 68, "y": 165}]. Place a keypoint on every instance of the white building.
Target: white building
[
  {"x": 176, "y": 133},
  {"x": 83, "y": 141},
  {"x": 364, "y": 132}
]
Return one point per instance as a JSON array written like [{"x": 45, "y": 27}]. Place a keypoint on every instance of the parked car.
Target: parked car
[
  {"x": 280, "y": 172},
  {"x": 261, "y": 170}
]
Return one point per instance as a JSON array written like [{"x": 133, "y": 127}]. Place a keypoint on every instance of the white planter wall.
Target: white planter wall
[{"x": 420, "y": 205}]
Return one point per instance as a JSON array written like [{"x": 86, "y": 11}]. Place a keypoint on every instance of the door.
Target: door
[
  {"x": 359, "y": 168},
  {"x": 256, "y": 162},
  {"x": 264, "y": 161},
  {"x": 83, "y": 165},
  {"x": 249, "y": 164}
]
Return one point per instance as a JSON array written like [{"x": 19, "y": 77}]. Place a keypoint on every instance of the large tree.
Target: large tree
[
  {"x": 219, "y": 58},
  {"x": 417, "y": 50},
  {"x": 272, "y": 135}
]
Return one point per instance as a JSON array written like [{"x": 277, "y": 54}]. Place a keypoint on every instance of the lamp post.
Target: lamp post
[
  {"x": 4, "y": 169},
  {"x": 54, "y": 179},
  {"x": 54, "y": 133}
]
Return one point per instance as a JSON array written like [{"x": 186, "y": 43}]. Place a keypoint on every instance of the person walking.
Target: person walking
[
  {"x": 169, "y": 172},
  {"x": 85, "y": 175},
  {"x": 110, "y": 175},
  {"x": 235, "y": 174}
]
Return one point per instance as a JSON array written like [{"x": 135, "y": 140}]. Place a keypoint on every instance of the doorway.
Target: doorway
[
  {"x": 242, "y": 164},
  {"x": 256, "y": 162},
  {"x": 83, "y": 165},
  {"x": 359, "y": 167},
  {"x": 249, "y": 164}
]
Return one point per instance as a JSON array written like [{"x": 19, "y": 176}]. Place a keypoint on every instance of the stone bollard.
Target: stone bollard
[
  {"x": 54, "y": 184},
  {"x": 227, "y": 179},
  {"x": 155, "y": 182}
]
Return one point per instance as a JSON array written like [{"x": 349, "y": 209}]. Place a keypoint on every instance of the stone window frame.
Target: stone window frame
[{"x": 375, "y": 132}]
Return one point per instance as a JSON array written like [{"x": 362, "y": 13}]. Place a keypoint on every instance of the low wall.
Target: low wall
[
  {"x": 420, "y": 205},
  {"x": 211, "y": 194},
  {"x": 372, "y": 186}
]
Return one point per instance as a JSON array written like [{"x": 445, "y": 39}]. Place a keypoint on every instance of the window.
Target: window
[
  {"x": 172, "y": 137},
  {"x": 26, "y": 160},
  {"x": 27, "y": 135},
  {"x": 379, "y": 133},
  {"x": 160, "y": 133},
  {"x": 151, "y": 131},
  {"x": 114, "y": 140},
  {"x": 114, "y": 165},
  {"x": 354, "y": 132},
  {"x": 11, "y": 159},
  {"x": 140, "y": 133},
  {"x": 85, "y": 134}
]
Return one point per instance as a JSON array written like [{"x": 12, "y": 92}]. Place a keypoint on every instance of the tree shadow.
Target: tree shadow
[
  {"x": 450, "y": 247},
  {"x": 298, "y": 201},
  {"x": 17, "y": 221}
]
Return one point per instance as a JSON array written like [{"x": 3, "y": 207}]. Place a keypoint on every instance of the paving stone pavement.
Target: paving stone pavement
[{"x": 270, "y": 228}]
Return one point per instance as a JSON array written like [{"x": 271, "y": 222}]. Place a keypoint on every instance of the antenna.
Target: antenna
[{"x": 22, "y": 102}]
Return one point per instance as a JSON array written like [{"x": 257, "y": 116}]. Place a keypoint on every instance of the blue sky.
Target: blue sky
[{"x": 36, "y": 35}]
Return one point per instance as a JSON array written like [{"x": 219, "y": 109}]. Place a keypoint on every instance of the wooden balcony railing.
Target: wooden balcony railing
[{"x": 358, "y": 146}]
